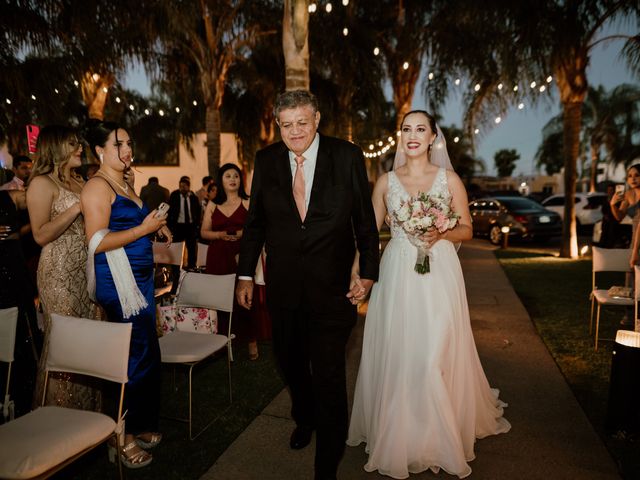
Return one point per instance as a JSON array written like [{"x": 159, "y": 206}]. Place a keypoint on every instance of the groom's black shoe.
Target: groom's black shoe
[{"x": 301, "y": 437}]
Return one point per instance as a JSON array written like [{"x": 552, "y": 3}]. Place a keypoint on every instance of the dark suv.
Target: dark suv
[{"x": 525, "y": 218}]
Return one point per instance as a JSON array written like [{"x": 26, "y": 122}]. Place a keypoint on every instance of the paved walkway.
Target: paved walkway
[{"x": 550, "y": 439}]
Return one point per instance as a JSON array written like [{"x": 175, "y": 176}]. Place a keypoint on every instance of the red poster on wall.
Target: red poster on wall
[{"x": 32, "y": 137}]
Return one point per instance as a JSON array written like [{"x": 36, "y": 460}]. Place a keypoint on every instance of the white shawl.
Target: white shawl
[{"x": 131, "y": 299}]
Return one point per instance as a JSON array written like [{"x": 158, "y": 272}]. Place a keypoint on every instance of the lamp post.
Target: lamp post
[{"x": 505, "y": 236}]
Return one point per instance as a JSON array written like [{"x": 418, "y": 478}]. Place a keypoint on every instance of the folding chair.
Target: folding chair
[
  {"x": 171, "y": 255},
  {"x": 201, "y": 257},
  {"x": 8, "y": 325},
  {"x": 607, "y": 260},
  {"x": 214, "y": 292},
  {"x": 45, "y": 440}
]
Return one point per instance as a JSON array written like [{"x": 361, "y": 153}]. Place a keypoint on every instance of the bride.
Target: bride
[{"x": 421, "y": 395}]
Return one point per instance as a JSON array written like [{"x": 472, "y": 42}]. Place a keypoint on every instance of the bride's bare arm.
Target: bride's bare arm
[{"x": 460, "y": 204}]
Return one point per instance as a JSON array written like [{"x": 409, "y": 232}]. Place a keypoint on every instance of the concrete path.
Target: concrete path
[{"x": 550, "y": 439}]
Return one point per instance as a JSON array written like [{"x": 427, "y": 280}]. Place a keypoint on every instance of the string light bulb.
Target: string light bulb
[
  {"x": 476, "y": 131},
  {"x": 498, "y": 120},
  {"x": 161, "y": 112},
  {"x": 146, "y": 111},
  {"x": 312, "y": 7},
  {"x": 549, "y": 79},
  {"x": 131, "y": 107},
  {"x": 56, "y": 90},
  {"x": 118, "y": 100},
  {"x": 177, "y": 109},
  {"x": 328, "y": 7},
  {"x": 500, "y": 86},
  {"x": 195, "y": 103},
  {"x": 75, "y": 82},
  {"x": 515, "y": 88},
  {"x": 405, "y": 65},
  {"x": 33, "y": 97},
  {"x": 345, "y": 31},
  {"x": 95, "y": 77},
  {"x": 520, "y": 106},
  {"x": 8, "y": 101},
  {"x": 456, "y": 139},
  {"x": 542, "y": 88},
  {"x": 533, "y": 84},
  {"x": 430, "y": 76},
  {"x": 376, "y": 51},
  {"x": 345, "y": 2},
  {"x": 477, "y": 87},
  {"x": 105, "y": 89}
]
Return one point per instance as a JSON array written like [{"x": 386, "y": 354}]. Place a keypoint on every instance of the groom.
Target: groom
[{"x": 311, "y": 207}]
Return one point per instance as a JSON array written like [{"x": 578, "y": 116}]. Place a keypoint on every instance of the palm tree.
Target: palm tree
[
  {"x": 295, "y": 44},
  {"x": 210, "y": 35},
  {"x": 529, "y": 41}
]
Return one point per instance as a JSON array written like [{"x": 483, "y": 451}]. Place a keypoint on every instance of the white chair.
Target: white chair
[
  {"x": 214, "y": 292},
  {"x": 607, "y": 260},
  {"x": 45, "y": 440},
  {"x": 171, "y": 255},
  {"x": 8, "y": 325},
  {"x": 201, "y": 257}
]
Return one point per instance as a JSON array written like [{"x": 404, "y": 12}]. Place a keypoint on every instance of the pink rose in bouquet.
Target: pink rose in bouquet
[{"x": 417, "y": 215}]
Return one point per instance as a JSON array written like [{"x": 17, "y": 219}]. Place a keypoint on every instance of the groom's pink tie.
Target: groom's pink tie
[{"x": 298, "y": 187}]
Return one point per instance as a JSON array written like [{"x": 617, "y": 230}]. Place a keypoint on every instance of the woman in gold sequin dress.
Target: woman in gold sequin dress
[{"x": 53, "y": 199}]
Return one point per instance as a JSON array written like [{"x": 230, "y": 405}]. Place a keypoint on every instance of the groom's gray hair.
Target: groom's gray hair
[{"x": 294, "y": 99}]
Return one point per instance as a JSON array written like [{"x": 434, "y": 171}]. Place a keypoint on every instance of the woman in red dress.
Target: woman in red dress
[{"x": 222, "y": 226}]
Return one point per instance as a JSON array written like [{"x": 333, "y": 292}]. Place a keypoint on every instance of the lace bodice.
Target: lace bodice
[{"x": 396, "y": 194}]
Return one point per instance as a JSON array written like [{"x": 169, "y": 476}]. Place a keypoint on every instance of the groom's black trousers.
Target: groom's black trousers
[{"x": 310, "y": 350}]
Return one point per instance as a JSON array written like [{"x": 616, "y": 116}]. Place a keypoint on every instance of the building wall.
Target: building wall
[{"x": 194, "y": 166}]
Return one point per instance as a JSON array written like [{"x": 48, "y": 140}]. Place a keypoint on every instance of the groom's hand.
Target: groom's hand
[
  {"x": 244, "y": 293},
  {"x": 359, "y": 289}
]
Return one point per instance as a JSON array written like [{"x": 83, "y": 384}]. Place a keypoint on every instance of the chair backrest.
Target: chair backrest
[
  {"x": 171, "y": 255},
  {"x": 201, "y": 257},
  {"x": 89, "y": 347},
  {"x": 215, "y": 292},
  {"x": 8, "y": 324},
  {"x": 611, "y": 259}
]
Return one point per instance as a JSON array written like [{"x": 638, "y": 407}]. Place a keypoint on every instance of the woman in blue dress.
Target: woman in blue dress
[{"x": 120, "y": 272}]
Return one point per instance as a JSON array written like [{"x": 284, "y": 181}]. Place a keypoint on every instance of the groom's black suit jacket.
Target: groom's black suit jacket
[{"x": 311, "y": 261}]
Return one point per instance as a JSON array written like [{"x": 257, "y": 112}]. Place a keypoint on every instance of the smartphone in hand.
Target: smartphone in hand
[
  {"x": 163, "y": 208},
  {"x": 620, "y": 189}
]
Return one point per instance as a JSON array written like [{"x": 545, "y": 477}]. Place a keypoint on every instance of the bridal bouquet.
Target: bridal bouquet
[{"x": 418, "y": 214}]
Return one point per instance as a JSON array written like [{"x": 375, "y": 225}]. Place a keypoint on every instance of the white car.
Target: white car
[{"x": 588, "y": 206}]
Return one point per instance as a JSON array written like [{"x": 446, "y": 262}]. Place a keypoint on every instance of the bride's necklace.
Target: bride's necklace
[{"x": 125, "y": 189}]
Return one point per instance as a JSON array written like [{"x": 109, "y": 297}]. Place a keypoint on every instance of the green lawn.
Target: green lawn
[
  {"x": 255, "y": 384},
  {"x": 555, "y": 292}
]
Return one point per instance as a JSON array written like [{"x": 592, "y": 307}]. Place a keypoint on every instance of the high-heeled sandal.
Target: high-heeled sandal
[
  {"x": 155, "y": 439},
  {"x": 138, "y": 459}
]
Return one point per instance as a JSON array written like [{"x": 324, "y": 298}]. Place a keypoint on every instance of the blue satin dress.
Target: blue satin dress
[{"x": 142, "y": 394}]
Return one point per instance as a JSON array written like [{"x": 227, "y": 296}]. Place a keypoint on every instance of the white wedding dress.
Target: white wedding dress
[{"x": 421, "y": 397}]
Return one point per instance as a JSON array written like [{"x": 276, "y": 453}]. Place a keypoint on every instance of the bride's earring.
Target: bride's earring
[{"x": 101, "y": 156}]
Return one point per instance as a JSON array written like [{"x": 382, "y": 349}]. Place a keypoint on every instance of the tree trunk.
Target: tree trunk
[
  {"x": 212, "y": 120},
  {"x": 295, "y": 44},
  {"x": 93, "y": 94},
  {"x": 595, "y": 159},
  {"x": 571, "y": 120}
]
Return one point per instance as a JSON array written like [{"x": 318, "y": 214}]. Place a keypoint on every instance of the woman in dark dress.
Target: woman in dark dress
[
  {"x": 222, "y": 226},
  {"x": 118, "y": 226},
  {"x": 17, "y": 290}
]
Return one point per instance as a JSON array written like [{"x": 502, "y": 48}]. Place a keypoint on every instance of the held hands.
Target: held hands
[
  {"x": 244, "y": 293},
  {"x": 358, "y": 288}
]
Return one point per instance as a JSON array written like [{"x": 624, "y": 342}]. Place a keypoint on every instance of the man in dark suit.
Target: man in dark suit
[
  {"x": 184, "y": 219},
  {"x": 153, "y": 194},
  {"x": 311, "y": 208}
]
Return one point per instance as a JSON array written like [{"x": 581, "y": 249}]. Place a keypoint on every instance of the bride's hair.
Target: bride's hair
[{"x": 431, "y": 118}]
